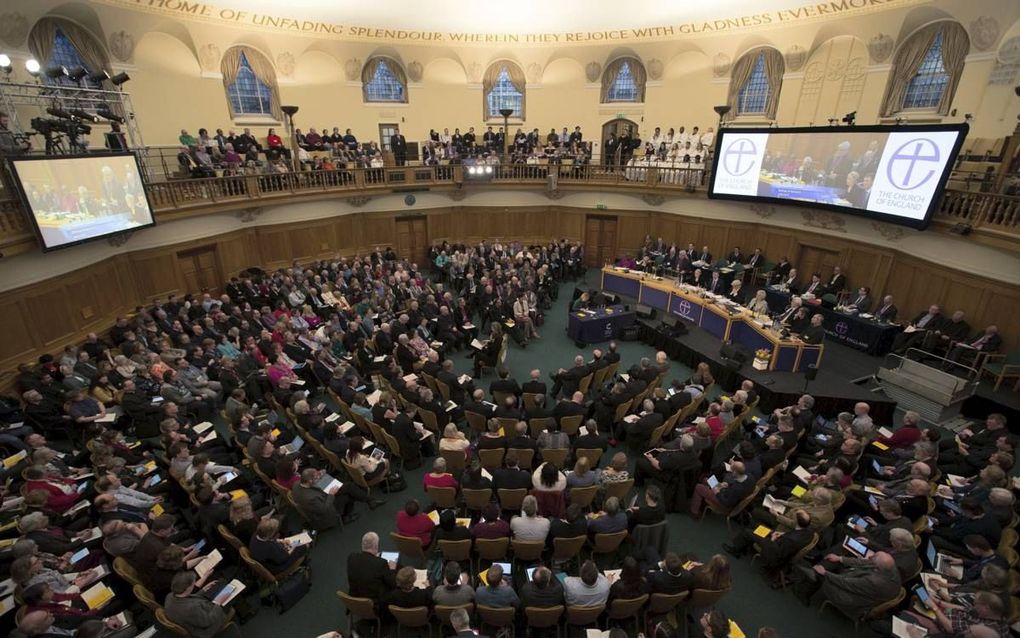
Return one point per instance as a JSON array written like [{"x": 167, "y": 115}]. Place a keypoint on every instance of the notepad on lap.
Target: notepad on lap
[
  {"x": 97, "y": 595},
  {"x": 228, "y": 593}
]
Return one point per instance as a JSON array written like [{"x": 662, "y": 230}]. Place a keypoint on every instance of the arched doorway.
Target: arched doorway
[{"x": 617, "y": 127}]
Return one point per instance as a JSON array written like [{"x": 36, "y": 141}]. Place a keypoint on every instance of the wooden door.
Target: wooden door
[
  {"x": 816, "y": 260},
  {"x": 599, "y": 240},
  {"x": 201, "y": 269},
  {"x": 412, "y": 239}
]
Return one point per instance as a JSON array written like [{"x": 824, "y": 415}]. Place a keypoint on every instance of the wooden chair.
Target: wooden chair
[
  {"x": 476, "y": 421},
  {"x": 492, "y": 550},
  {"x": 557, "y": 456},
  {"x": 411, "y": 618},
  {"x": 1008, "y": 539},
  {"x": 583, "y": 496},
  {"x": 359, "y": 609},
  {"x": 594, "y": 455},
  {"x": 622, "y": 609},
  {"x": 429, "y": 420},
  {"x": 492, "y": 458},
  {"x": 507, "y": 424},
  {"x": 538, "y": 425},
  {"x": 459, "y": 551},
  {"x": 662, "y": 604},
  {"x": 622, "y": 410},
  {"x": 499, "y": 398},
  {"x": 567, "y": 550},
  {"x": 476, "y": 500},
  {"x": 571, "y": 424},
  {"x": 359, "y": 478},
  {"x": 696, "y": 600},
  {"x": 527, "y": 551},
  {"x": 605, "y": 544},
  {"x": 126, "y": 571},
  {"x": 1000, "y": 367},
  {"x": 496, "y": 617},
  {"x": 578, "y": 616},
  {"x": 269, "y": 580},
  {"x": 455, "y": 461},
  {"x": 797, "y": 557},
  {"x": 599, "y": 378},
  {"x": 510, "y": 500},
  {"x": 525, "y": 457},
  {"x": 619, "y": 489},
  {"x": 409, "y": 547},
  {"x": 444, "y": 390},
  {"x": 735, "y": 512},
  {"x": 443, "y": 497},
  {"x": 585, "y": 383},
  {"x": 228, "y": 536},
  {"x": 529, "y": 400},
  {"x": 442, "y": 614},
  {"x": 874, "y": 613},
  {"x": 544, "y": 617}
]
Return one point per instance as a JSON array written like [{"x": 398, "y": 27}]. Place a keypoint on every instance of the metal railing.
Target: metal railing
[{"x": 986, "y": 211}]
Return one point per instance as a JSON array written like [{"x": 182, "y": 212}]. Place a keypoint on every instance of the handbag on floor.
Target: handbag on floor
[{"x": 290, "y": 591}]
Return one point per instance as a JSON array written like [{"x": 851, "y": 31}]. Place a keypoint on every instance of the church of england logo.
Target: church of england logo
[
  {"x": 907, "y": 168},
  {"x": 733, "y": 159}
]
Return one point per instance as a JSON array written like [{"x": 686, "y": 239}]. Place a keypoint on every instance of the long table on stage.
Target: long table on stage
[
  {"x": 737, "y": 325},
  {"x": 603, "y": 324},
  {"x": 850, "y": 329}
]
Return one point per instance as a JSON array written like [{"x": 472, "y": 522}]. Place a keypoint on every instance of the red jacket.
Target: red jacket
[
  {"x": 419, "y": 525},
  {"x": 903, "y": 437},
  {"x": 58, "y": 500}
]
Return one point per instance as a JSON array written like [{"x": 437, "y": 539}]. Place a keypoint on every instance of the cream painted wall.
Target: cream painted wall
[{"x": 175, "y": 82}]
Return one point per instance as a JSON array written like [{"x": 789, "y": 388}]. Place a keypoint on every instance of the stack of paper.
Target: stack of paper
[
  {"x": 229, "y": 592},
  {"x": 208, "y": 563},
  {"x": 97, "y": 595}
]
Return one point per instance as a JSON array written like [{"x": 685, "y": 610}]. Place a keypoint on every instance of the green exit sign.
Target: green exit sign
[{"x": 601, "y": 206}]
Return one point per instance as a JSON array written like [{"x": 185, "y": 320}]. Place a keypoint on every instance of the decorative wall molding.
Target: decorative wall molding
[
  {"x": 888, "y": 231},
  {"x": 122, "y": 46},
  {"x": 248, "y": 215},
  {"x": 824, "y": 220},
  {"x": 13, "y": 28},
  {"x": 880, "y": 47},
  {"x": 652, "y": 199},
  {"x": 358, "y": 201}
]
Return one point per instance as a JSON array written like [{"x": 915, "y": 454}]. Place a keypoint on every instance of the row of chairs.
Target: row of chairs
[{"x": 640, "y": 611}]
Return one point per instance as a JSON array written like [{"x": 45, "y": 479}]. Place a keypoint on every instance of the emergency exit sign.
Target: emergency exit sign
[{"x": 601, "y": 206}]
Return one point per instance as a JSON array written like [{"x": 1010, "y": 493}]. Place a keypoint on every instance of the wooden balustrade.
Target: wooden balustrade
[{"x": 998, "y": 215}]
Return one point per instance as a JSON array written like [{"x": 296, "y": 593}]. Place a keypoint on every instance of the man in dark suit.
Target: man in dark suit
[
  {"x": 837, "y": 282},
  {"x": 507, "y": 409},
  {"x": 457, "y": 389},
  {"x": 566, "y": 408},
  {"x": 540, "y": 409},
  {"x": 511, "y": 477},
  {"x": 461, "y": 623},
  {"x": 399, "y": 147},
  {"x": 966, "y": 352},
  {"x": 816, "y": 287},
  {"x": 814, "y": 333},
  {"x": 322, "y": 510},
  {"x": 665, "y": 466},
  {"x": 705, "y": 255},
  {"x": 611, "y": 356},
  {"x": 196, "y": 613},
  {"x": 535, "y": 385},
  {"x": 369, "y": 575},
  {"x": 715, "y": 284},
  {"x": 640, "y": 430},
  {"x": 568, "y": 380},
  {"x": 922, "y": 323},
  {"x": 756, "y": 260},
  {"x": 778, "y": 548},
  {"x": 862, "y": 301},
  {"x": 476, "y": 403},
  {"x": 943, "y": 337},
  {"x": 590, "y": 439},
  {"x": 519, "y": 439},
  {"x": 887, "y": 311},
  {"x": 505, "y": 383}
]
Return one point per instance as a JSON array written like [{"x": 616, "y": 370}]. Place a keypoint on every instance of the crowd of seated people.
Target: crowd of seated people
[
  {"x": 309, "y": 370},
  {"x": 672, "y": 145}
]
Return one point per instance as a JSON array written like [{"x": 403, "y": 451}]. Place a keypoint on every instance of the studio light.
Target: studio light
[
  {"x": 85, "y": 115},
  {"x": 77, "y": 73},
  {"x": 850, "y": 118},
  {"x": 104, "y": 112},
  {"x": 59, "y": 113},
  {"x": 32, "y": 66},
  {"x": 99, "y": 77},
  {"x": 56, "y": 72},
  {"x": 5, "y": 63},
  {"x": 479, "y": 173},
  {"x": 119, "y": 79}
]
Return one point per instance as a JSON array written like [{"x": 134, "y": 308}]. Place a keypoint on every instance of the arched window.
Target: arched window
[
  {"x": 755, "y": 92},
  {"x": 755, "y": 82},
  {"x": 60, "y": 42},
  {"x": 624, "y": 81},
  {"x": 926, "y": 88},
  {"x": 248, "y": 95},
  {"x": 383, "y": 80},
  {"x": 503, "y": 88},
  {"x": 64, "y": 54},
  {"x": 250, "y": 84},
  {"x": 926, "y": 69}
]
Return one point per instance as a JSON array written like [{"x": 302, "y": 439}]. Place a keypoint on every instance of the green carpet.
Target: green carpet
[{"x": 751, "y": 603}]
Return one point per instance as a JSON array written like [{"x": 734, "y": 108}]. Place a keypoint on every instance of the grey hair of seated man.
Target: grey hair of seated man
[
  {"x": 901, "y": 539},
  {"x": 370, "y": 542}
]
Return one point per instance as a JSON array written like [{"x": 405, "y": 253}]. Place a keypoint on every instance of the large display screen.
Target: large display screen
[
  {"x": 893, "y": 173},
  {"x": 77, "y": 199}
]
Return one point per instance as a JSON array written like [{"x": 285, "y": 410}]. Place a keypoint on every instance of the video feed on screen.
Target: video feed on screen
[
  {"x": 77, "y": 199},
  {"x": 894, "y": 172}
]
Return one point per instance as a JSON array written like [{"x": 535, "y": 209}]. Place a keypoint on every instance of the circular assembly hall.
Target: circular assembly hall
[{"x": 458, "y": 319}]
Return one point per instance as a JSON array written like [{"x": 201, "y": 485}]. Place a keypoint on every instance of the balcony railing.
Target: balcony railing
[{"x": 997, "y": 216}]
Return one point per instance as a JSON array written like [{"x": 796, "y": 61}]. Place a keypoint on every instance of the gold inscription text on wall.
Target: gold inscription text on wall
[{"x": 204, "y": 12}]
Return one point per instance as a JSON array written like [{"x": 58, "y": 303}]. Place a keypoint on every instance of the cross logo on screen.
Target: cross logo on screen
[
  {"x": 733, "y": 157},
  {"x": 907, "y": 168}
]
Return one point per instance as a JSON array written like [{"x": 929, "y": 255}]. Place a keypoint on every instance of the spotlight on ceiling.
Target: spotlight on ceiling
[
  {"x": 32, "y": 66},
  {"x": 55, "y": 72},
  {"x": 99, "y": 77},
  {"x": 5, "y": 63},
  {"x": 77, "y": 73},
  {"x": 119, "y": 79}
]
